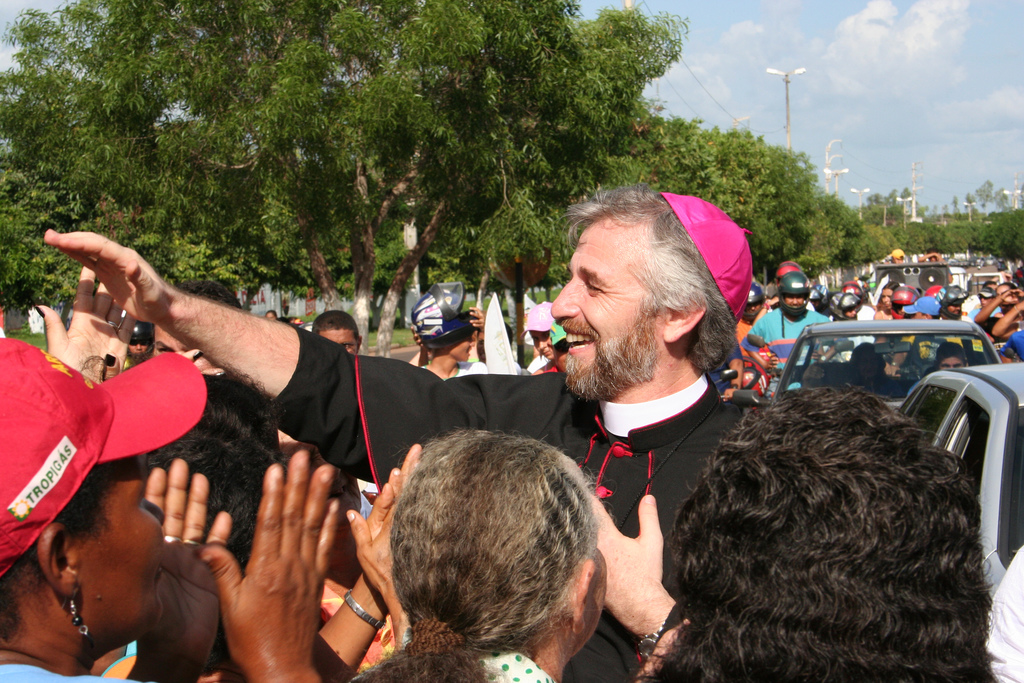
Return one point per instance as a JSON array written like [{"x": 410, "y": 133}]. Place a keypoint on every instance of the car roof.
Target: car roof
[
  {"x": 854, "y": 327},
  {"x": 1008, "y": 373}
]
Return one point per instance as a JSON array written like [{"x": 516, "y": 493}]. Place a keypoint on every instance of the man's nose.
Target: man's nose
[{"x": 565, "y": 304}]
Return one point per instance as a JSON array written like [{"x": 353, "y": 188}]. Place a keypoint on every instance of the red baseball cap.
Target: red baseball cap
[
  {"x": 57, "y": 425},
  {"x": 721, "y": 243}
]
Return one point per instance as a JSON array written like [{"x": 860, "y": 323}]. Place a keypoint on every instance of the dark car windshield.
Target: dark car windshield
[{"x": 886, "y": 364}]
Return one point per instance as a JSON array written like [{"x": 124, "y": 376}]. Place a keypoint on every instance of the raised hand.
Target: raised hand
[
  {"x": 132, "y": 282},
  {"x": 178, "y": 646},
  {"x": 270, "y": 616},
  {"x": 373, "y": 537},
  {"x": 98, "y": 334}
]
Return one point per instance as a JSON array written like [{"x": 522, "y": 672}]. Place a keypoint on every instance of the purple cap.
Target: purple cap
[
  {"x": 926, "y": 304},
  {"x": 539, "y": 318},
  {"x": 721, "y": 242}
]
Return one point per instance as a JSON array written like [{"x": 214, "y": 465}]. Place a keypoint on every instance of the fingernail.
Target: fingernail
[
  {"x": 196, "y": 356},
  {"x": 351, "y": 515},
  {"x": 110, "y": 360},
  {"x": 39, "y": 311}
]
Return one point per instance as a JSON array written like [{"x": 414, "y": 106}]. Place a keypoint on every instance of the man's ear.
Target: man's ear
[
  {"x": 588, "y": 596},
  {"x": 58, "y": 557},
  {"x": 679, "y": 323}
]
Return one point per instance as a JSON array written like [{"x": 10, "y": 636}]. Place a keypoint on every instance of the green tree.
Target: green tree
[
  {"x": 267, "y": 132},
  {"x": 1003, "y": 235},
  {"x": 985, "y": 194}
]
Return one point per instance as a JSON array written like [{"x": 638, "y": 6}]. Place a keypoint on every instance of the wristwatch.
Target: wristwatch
[{"x": 647, "y": 644}]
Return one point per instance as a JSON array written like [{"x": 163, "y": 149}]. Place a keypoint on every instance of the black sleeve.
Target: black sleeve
[{"x": 364, "y": 413}]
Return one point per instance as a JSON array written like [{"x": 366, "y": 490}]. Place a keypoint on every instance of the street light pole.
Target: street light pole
[
  {"x": 785, "y": 77},
  {"x": 838, "y": 173},
  {"x": 829, "y": 158},
  {"x": 970, "y": 205},
  {"x": 860, "y": 201}
]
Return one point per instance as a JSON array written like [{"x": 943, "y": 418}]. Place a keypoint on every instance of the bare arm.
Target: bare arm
[
  {"x": 264, "y": 350},
  {"x": 1007, "y": 325},
  {"x": 989, "y": 308}
]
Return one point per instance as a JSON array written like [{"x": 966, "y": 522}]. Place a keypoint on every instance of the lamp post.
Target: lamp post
[
  {"x": 970, "y": 205},
  {"x": 860, "y": 201},
  {"x": 903, "y": 201},
  {"x": 785, "y": 77},
  {"x": 829, "y": 158},
  {"x": 838, "y": 173}
]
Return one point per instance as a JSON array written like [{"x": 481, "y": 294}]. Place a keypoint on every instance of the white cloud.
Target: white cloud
[
  {"x": 1000, "y": 111},
  {"x": 876, "y": 52}
]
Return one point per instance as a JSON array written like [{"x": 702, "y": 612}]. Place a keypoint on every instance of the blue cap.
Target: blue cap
[{"x": 926, "y": 304}]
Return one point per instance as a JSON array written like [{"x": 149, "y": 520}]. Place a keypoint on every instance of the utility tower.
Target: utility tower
[{"x": 913, "y": 190}]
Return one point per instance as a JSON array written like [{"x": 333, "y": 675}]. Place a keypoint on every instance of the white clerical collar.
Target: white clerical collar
[{"x": 621, "y": 418}]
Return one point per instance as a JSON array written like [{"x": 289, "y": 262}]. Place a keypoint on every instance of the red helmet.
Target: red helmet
[
  {"x": 787, "y": 267},
  {"x": 933, "y": 291},
  {"x": 902, "y": 296},
  {"x": 853, "y": 287}
]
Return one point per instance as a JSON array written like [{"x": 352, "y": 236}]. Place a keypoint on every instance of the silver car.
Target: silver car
[{"x": 977, "y": 414}]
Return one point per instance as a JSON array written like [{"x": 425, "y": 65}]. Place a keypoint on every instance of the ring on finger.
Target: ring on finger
[
  {"x": 172, "y": 539},
  {"x": 117, "y": 325},
  {"x": 189, "y": 541}
]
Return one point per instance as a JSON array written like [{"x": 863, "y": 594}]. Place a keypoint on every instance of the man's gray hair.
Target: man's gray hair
[
  {"x": 489, "y": 536},
  {"x": 673, "y": 272}
]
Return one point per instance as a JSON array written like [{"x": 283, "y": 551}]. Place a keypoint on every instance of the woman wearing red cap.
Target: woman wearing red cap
[{"x": 88, "y": 563}]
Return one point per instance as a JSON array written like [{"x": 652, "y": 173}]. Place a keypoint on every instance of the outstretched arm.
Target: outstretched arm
[{"x": 264, "y": 350}]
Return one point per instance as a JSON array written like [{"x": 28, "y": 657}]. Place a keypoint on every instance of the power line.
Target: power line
[
  {"x": 683, "y": 100},
  {"x": 727, "y": 112}
]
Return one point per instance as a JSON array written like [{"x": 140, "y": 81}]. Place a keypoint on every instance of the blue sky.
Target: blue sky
[{"x": 931, "y": 81}]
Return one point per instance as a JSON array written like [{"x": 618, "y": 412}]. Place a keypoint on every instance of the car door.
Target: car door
[{"x": 973, "y": 417}]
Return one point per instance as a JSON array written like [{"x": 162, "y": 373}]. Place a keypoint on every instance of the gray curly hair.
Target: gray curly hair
[{"x": 488, "y": 536}]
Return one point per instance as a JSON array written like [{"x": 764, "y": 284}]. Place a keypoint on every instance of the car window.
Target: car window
[
  {"x": 1016, "y": 486},
  {"x": 968, "y": 438},
  {"x": 889, "y": 365},
  {"x": 930, "y": 406}
]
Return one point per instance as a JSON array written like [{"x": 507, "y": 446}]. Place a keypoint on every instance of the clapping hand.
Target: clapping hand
[
  {"x": 178, "y": 646},
  {"x": 270, "y": 615}
]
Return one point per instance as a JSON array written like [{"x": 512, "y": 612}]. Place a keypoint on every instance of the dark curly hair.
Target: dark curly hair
[{"x": 829, "y": 540}]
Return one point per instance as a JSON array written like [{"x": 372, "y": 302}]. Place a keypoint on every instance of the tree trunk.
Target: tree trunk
[
  {"x": 321, "y": 273},
  {"x": 481, "y": 292},
  {"x": 364, "y": 255},
  {"x": 405, "y": 269}
]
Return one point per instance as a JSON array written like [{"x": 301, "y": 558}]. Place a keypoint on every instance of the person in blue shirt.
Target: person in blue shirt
[{"x": 781, "y": 327}]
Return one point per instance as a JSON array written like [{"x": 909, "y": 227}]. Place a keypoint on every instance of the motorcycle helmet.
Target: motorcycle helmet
[
  {"x": 755, "y": 297},
  {"x": 142, "y": 333},
  {"x": 787, "y": 267},
  {"x": 844, "y": 306},
  {"x": 951, "y": 296},
  {"x": 902, "y": 296},
  {"x": 438, "y": 318},
  {"x": 819, "y": 298},
  {"x": 794, "y": 283},
  {"x": 853, "y": 287}
]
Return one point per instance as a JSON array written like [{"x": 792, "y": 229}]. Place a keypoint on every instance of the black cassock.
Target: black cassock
[{"x": 364, "y": 413}]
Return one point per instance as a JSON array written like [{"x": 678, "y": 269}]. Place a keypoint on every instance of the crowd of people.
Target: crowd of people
[{"x": 606, "y": 517}]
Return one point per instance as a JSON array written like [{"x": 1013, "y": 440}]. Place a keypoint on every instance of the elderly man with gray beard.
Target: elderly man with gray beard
[{"x": 658, "y": 282}]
